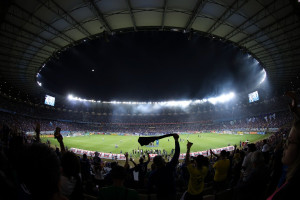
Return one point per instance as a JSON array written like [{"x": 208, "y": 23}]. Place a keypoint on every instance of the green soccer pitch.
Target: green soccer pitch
[{"x": 106, "y": 143}]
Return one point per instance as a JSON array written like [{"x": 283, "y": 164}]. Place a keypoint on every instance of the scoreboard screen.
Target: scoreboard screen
[
  {"x": 253, "y": 97},
  {"x": 49, "y": 100}
]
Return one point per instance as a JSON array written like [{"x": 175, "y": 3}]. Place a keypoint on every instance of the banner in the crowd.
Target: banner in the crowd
[
  {"x": 112, "y": 156},
  {"x": 227, "y": 132},
  {"x": 260, "y": 133},
  {"x": 46, "y": 136}
]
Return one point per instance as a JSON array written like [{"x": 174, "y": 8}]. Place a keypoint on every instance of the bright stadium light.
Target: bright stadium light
[
  {"x": 39, "y": 83},
  {"x": 221, "y": 99},
  {"x": 184, "y": 103},
  {"x": 264, "y": 76},
  {"x": 177, "y": 103}
]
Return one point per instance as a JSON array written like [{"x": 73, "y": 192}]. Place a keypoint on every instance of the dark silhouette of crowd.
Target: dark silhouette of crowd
[{"x": 267, "y": 169}]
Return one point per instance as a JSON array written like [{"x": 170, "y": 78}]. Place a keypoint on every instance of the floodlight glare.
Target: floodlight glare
[
  {"x": 264, "y": 76},
  {"x": 221, "y": 99},
  {"x": 185, "y": 103}
]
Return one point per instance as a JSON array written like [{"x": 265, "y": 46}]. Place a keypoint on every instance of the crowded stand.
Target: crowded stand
[
  {"x": 25, "y": 124},
  {"x": 271, "y": 113},
  {"x": 267, "y": 169}
]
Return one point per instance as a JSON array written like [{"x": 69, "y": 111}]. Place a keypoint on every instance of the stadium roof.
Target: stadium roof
[{"x": 33, "y": 31}]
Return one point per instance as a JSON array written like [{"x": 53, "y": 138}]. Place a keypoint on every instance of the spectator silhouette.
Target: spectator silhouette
[
  {"x": 197, "y": 173},
  {"x": 117, "y": 191},
  {"x": 163, "y": 178},
  {"x": 253, "y": 186},
  {"x": 39, "y": 173},
  {"x": 85, "y": 167},
  {"x": 266, "y": 151},
  {"x": 71, "y": 183},
  {"x": 247, "y": 165},
  {"x": 221, "y": 171},
  {"x": 141, "y": 168},
  {"x": 291, "y": 157}
]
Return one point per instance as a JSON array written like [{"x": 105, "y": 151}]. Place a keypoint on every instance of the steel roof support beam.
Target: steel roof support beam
[
  {"x": 61, "y": 13},
  {"x": 284, "y": 59},
  {"x": 21, "y": 58},
  {"x": 289, "y": 43},
  {"x": 285, "y": 62},
  {"x": 292, "y": 62},
  {"x": 21, "y": 51},
  {"x": 234, "y": 7},
  {"x": 16, "y": 73},
  {"x": 291, "y": 67},
  {"x": 272, "y": 57},
  {"x": 276, "y": 25},
  {"x": 276, "y": 43},
  {"x": 94, "y": 8},
  {"x": 4, "y": 63},
  {"x": 24, "y": 43},
  {"x": 277, "y": 46},
  {"x": 200, "y": 5},
  {"x": 281, "y": 51},
  {"x": 260, "y": 15},
  {"x": 164, "y": 14},
  {"x": 20, "y": 31},
  {"x": 131, "y": 14},
  {"x": 294, "y": 26},
  {"x": 291, "y": 30},
  {"x": 34, "y": 47},
  {"x": 20, "y": 13}
]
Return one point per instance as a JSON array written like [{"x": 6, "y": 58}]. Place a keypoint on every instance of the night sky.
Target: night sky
[{"x": 151, "y": 66}]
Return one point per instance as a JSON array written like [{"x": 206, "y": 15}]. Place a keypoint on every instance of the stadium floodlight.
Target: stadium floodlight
[
  {"x": 221, "y": 99},
  {"x": 183, "y": 103},
  {"x": 70, "y": 97},
  {"x": 264, "y": 76},
  {"x": 39, "y": 83},
  {"x": 177, "y": 103}
]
